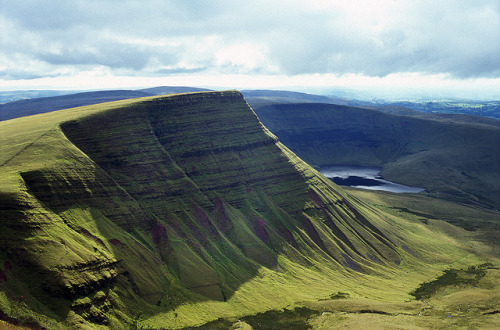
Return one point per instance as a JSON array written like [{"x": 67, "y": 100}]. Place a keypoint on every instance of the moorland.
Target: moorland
[{"x": 197, "y": 210}]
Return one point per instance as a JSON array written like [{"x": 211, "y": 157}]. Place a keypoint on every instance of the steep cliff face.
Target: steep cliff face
[
  {"x": 206, "y": 172},
  {"x": 164, "y": 200}
]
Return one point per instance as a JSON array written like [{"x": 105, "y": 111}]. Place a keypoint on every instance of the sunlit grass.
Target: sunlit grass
[{"x": 46, "y": 237}]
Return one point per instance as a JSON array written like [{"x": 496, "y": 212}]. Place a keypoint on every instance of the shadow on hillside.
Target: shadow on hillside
[{"x": 195, "y": 185}]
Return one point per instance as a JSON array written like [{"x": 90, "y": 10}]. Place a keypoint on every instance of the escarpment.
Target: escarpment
[
  {"x": 183, "y": 154},
  {"x": 170, "y": 199}
]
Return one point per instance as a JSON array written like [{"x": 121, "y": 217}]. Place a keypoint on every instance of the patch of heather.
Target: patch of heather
[
  {"x": 115, "y": 241},
  {"x": 316, "y": 199},
  {"x": 221, "y": 218},
  {"x": 203, "y": 219},
  {"x": 158, "y": 233},
  {"x": 260, "y": 230},
  {"x": 311, "y": 231},
  {"x": 88, "y": 234},
  {"x": 289, "y": 237},
  {"x": 197, "y": 233}
]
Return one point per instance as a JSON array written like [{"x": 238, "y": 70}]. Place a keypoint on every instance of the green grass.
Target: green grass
[
  {"x": 481, "y": 224},
  {"x": 178, "y": 211},
  {"x": 295, "y": 318},
  {"x": 470, "y": 275}
]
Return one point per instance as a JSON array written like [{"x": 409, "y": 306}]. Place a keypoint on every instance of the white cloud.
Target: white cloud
[{"x": 356, "y": 38}]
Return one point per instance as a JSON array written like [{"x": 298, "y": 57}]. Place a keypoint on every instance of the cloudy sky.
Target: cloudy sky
[{"x": 402, "y": 44}]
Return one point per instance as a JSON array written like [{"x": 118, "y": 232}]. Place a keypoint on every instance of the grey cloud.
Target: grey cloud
[
  {"x": 79, "y": 33},
  {"x": 132, "y": 18},
  {"x": 455, "y": 38},
  {"x": 458, "y": 41},
  {"x": 112, "y": 56},
  {"x": 16, "y": 74}
]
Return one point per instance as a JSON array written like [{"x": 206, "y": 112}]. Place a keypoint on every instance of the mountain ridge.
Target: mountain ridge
[
  {"x": 170, "y": 206},
  {"x": 32, "y": 106}
]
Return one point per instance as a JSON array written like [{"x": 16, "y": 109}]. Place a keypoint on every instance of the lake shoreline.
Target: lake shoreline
[{"x": 364, "y": 177}]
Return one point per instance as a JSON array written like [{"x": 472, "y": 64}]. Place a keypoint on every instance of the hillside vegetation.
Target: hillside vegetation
[
  {"x": 169, "y": 212},
  {"x": 32, "y": 104},
  {"x": 455, "y": 159}
]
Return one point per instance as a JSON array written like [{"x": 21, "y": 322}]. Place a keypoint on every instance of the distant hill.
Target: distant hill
[
  {"x": 16, "y": 95},
  {"x": 479, "y": 108},
  {"x": 451, "y": 156},
  {"x": 264, "y": 96},
  {"x": 164, "y": 90},
  {"x": 46, "y": 104},
  {"x": 31, "y": 106},
  {"x": 444, "y": 117}
]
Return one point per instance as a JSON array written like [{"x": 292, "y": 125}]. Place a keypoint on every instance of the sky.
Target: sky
[{"x": 389, "y": 46}]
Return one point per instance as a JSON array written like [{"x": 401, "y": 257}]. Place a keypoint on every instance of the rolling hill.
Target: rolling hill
[
  {"x": 16, "y": 95},
  {"x": 33, "y": 106},
  {"x": 467, "y": 107},
  {"x": 453, "y": 158},
  {"x": 175, "y": 211},
  {"x": 264, "y": 96}
]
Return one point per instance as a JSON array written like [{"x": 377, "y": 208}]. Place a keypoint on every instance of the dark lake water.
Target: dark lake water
[{"x": 365, "y": 177}]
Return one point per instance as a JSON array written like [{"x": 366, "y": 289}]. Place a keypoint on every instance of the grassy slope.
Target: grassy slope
[
  {"x": 123, "y": 212},
  {"x": 456, "y": 160},
  {"x": 466, "y": 216},
  {"x": 34, "y": 106}
]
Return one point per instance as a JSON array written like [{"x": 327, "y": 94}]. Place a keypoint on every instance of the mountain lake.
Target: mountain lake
[{"x": 365, "y": 177}]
